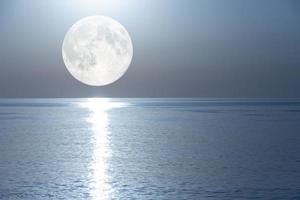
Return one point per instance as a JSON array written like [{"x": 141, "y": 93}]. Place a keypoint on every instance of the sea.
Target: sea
[{"x": 158, "y": 149}]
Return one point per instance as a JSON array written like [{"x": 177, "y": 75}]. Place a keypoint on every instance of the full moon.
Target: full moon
[{"x": 97, "y": 50}]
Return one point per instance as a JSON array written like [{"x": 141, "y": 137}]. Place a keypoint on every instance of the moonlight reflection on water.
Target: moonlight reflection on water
[
  {"x": 100, "y": 189},
  {"x": 158, "y": 149}
]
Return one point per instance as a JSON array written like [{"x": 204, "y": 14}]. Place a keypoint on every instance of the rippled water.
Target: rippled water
[{"x": 149, "y": 149}]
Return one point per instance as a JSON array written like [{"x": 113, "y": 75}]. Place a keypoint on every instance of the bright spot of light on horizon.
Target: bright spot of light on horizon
[{"x": 98, "y": 108}]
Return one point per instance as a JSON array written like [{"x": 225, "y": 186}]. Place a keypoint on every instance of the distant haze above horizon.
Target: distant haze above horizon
[{"x": 196, "y": 48}]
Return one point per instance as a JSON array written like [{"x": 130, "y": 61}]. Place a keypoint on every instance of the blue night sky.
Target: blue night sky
[{"x": 195, "y": 48}]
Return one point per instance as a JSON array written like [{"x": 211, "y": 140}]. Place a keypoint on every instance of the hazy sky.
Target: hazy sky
[{"x": 203, "y": 48}]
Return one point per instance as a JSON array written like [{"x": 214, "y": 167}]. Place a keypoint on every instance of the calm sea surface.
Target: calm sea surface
[{"x": 156, "y": 149}]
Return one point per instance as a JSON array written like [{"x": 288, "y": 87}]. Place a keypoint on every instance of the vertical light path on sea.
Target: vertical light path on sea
[{"x": 98, "y": 108}]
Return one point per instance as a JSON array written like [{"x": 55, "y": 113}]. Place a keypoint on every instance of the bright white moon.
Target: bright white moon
[{"x": 97, "y": 50}]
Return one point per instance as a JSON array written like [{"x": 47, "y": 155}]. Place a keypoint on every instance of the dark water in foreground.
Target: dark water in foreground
[{"x": 149, "y": 149}]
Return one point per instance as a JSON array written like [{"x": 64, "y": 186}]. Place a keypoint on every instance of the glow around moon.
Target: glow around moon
[{"x": 97, "y": 50}]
